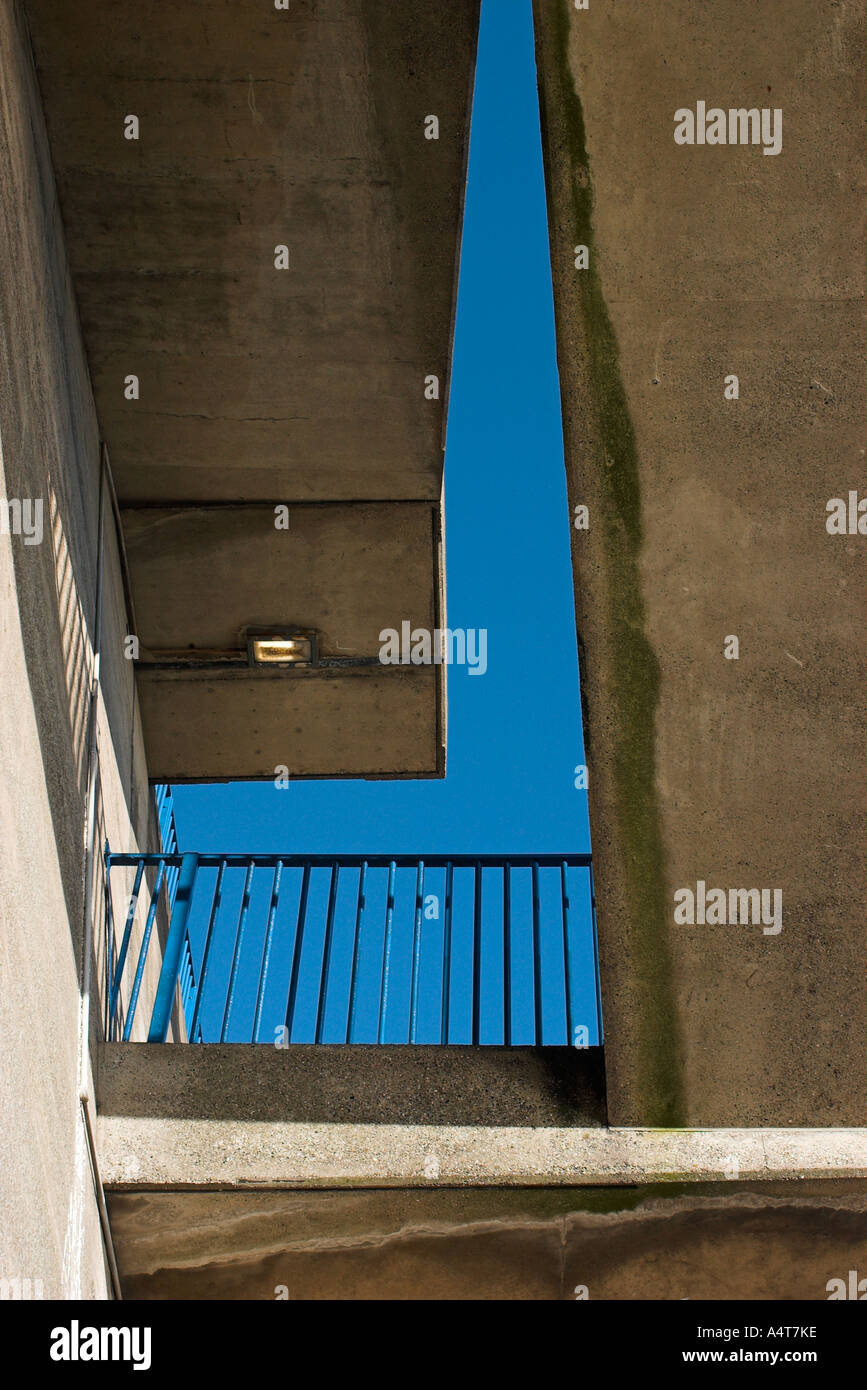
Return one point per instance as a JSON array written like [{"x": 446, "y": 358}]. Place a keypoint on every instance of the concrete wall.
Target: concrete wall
[
  {"x": 707, "y": 520},
  {"x": 762, "y": 1241},
  {"x": 49, "y": 1228},
  {"x": 251, "y": 725}
]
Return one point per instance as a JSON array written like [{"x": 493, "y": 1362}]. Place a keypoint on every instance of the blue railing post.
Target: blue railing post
[{"x": 161, "y": 1017}]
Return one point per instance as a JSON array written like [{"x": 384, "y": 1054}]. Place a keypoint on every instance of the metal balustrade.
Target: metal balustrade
[{"x": 475, "y": 949}]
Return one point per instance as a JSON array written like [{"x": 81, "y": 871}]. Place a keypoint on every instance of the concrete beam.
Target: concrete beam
[
  {"x": 366, "y": 722},
  {"x": 202, "y": 575},
  {"x": 236, "y": 1116},
  {"x": 193, "y": 1153}
]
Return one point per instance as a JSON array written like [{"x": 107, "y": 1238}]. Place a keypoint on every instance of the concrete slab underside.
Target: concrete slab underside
[
  {"x": 707, "y": 519},
  {"x": 346, "y": 570},
  {"x": 261, "y": 128},
  {"x": 783, "y": 1241}
]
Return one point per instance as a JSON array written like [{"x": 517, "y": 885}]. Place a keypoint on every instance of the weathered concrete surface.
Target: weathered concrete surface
[
  {"x": 325, "y": 380},
  {"x": 260, "y": 128},
  {"x": 236, "y": 1115},
  {"x": 49, "y": 453},
  {"x": 250, "y": 724},
  {"x": 193, "y": 1152},
  {"x": 707, "y": 518},
  {"x": 766, "y": 1242},
  {"x": 354, "y": 1084},
  {"x": 347, "y": 570}
]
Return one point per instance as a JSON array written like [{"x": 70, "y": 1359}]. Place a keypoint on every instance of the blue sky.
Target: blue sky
[{"x": 514, "y": 734}]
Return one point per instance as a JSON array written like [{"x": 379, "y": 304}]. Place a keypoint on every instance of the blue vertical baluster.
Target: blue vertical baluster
[
  {"x": 200, "y": 993},
  {"x": 143, "y": 950},
  {"x": 325, "y": 971},
  {"x": 416, "y": 952},
  {"x": 266, "y": 948},
  {"x": 296, "y": 951},
  {"x": 353, "y": 982},
  {"x": 386, "y": 954},
  {"x": 596, "y": 977},
  {"x": 507, "y": 955},
  {"x": 108, "y": 907},
  {"x": 162, "y": 1011},
  {"x": 447, "y": 953},
  {"x": 537, "y": 959},
  {"x": 124, "y": 945},
  {"x": 236, "y": 952},
  {"x": 477, "y": 956},
  {"x": 567, "y": 950}
]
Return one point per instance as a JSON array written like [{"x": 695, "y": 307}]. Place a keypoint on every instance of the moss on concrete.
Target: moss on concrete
[{"x": 633, "y": 678}]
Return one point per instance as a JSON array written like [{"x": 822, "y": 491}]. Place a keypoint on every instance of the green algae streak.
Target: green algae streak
[{"x": 634, "y": 676}]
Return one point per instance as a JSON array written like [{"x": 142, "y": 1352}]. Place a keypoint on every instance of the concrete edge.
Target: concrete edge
[{"x": 178, "y": 1153}]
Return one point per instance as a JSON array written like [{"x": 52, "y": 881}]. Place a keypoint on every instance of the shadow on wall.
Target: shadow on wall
[{"x": 51, "y": 464}]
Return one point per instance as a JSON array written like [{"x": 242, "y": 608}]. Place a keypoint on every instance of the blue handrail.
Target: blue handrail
[{"x": 476, "y": 949}]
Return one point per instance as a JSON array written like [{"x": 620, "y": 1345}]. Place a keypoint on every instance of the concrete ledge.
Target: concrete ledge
[
  {"x": 240, "y": 1116},
  {"x": 195, "y": 1153}
]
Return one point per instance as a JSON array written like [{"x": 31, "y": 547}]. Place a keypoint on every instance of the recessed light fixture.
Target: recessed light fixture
[{"x": 282, "y": 646}]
